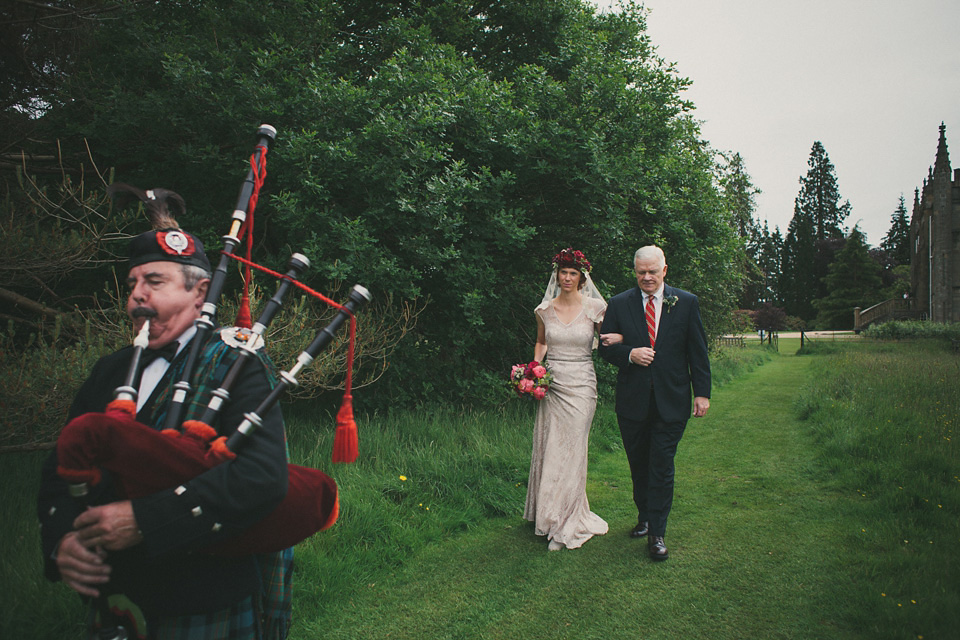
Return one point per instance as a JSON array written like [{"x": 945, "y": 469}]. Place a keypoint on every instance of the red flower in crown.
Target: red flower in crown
[{"x": 571, "y": 258}]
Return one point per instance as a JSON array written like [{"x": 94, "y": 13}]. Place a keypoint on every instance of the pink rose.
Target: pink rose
[
  {"x": 539, "y": 392},
  {"x": 526, "y": 385},
  {"x": 539, "y": 371}
]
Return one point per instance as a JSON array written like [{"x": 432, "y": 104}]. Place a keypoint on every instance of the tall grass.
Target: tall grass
[
  {"x": 884, "y": 416},
  {"x": 32, "y": 607}
]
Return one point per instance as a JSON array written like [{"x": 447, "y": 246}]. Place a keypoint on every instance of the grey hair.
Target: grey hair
[
  {"x": 192, "y": 274},
  {"x": 650, "y": 252}
]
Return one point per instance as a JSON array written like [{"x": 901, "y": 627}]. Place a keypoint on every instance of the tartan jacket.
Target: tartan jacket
[{"x": 168, "y": 574}]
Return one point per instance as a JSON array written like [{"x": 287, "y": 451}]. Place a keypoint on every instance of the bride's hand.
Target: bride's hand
[{"x": 608, "y": 339}]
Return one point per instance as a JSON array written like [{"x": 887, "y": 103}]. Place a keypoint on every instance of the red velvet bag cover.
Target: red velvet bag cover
[{"x": 146, "y": 461}]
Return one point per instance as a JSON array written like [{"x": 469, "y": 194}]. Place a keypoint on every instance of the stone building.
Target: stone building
[{"x": 935, "y": 241}]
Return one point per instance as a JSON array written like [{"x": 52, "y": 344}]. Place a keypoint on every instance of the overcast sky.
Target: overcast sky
[{"x": 870, "y": 79}]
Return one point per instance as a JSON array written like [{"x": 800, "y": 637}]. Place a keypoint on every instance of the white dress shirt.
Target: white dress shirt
[{"x": 154, "y": 371}]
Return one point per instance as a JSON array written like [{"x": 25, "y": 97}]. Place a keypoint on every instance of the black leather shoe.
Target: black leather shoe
[
  {"x": 656, "y": 548},
  {"x": 641, "y": 530}
]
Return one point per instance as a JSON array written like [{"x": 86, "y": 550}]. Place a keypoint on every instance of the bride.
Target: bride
[{"x": 568, "y": 321}]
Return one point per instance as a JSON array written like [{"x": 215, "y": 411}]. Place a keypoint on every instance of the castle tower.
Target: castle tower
[{"x": 935, "y": 240}]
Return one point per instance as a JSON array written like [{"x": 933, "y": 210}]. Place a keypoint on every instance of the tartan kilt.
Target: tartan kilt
[{"x": 266, "y": 617}]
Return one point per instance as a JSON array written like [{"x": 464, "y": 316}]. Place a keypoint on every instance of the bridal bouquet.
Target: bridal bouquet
[{"x": 531, "y": 379}]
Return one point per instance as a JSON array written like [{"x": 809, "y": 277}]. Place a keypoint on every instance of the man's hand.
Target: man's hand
[
  {"x": 81, "y": 568},
  {"x": 111, "y": 527},
  {"x": 700, "y": 406},
  {"x": 642, "y": 356}
]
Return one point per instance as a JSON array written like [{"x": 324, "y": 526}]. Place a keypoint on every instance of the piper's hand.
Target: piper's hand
[
  {"x": 81, "y": 568},
  {"x": 111, "y": 526},
  {"x": 642, "y": 356},
  {"x": 607, "y": 339}
]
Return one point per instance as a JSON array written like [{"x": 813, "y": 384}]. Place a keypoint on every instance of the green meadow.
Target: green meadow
[{"x": 820, "y": 498}]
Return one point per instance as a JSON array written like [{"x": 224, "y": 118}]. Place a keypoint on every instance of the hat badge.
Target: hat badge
[{"x": 176, "y": 242}]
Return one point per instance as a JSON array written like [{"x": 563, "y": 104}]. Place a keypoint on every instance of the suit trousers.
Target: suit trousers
[{"x": 650, "y": 445}]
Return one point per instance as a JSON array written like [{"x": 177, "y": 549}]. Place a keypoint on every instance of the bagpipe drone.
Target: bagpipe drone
[{"x": 145, "y": 460}]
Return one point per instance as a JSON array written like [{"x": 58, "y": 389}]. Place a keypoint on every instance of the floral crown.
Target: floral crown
[{"x": 570, "y": 258}]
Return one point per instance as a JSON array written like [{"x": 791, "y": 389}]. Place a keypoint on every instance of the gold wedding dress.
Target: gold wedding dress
[{"x": 556, "y": 491}]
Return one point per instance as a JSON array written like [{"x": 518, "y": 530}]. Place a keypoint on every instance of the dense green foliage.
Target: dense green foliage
[
  {"x": 853, "y": 280},
  {"x": 439, "y": 150},
  {"x": 912, "y": 329}
]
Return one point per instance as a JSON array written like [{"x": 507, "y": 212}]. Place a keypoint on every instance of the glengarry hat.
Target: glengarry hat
[
  {"x": 167, "y": 242},
  {"x": 168, "y": 245}
]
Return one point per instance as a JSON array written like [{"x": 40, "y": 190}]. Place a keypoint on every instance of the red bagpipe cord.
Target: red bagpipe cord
[
  {"x": 345, "y": 441},
  {"x": 345, "y": 445},
  {"x": 259, "y": 168}
]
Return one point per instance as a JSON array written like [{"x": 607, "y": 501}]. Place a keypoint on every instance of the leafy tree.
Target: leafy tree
[
  {"x": 897, "y": 282},
  {"x": 853, "y": 281},
  {"x": 438, "y": 150},
  {"x": 897, "y": 240},
  {"x": 769, "y": 319}
]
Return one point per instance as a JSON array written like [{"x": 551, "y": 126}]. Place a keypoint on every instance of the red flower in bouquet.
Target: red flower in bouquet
[{"x": 531, "y": 379}]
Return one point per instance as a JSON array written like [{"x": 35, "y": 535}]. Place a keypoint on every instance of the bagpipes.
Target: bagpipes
[{"x": 145, "y": 460}]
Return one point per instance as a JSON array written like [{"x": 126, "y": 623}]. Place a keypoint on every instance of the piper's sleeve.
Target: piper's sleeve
[
  {"x": 56, "y": 509},
  {"x": 231, "y": 496}
]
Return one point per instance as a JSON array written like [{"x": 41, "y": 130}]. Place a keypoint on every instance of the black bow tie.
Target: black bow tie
[{"x": 166, "y": 352}]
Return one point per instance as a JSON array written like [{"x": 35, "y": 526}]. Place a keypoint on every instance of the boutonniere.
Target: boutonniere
[{"x": 670, "y": 301}]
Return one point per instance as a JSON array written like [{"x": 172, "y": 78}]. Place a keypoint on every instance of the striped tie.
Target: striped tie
[{"x": 651, "y": 321}]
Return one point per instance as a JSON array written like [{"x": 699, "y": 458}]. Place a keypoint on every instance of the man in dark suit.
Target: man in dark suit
[{"x": 654, "y": 335}]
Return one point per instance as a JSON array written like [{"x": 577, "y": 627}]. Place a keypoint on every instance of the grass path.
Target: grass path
[{"x": 755, "y": 537}]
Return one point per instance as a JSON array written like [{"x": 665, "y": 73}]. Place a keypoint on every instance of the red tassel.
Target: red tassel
[
  {"x": 243, "y": 319},
  {"x": 219, "y": 450},
  {"x": 199, "y": 430},
  {"x": 126, "y": 407},
  {"x": 345, "y": 439}
]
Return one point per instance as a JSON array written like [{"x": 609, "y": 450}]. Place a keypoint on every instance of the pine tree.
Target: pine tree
[
  {"x": 853, "y": 281},
  {"x": 764, "y": 250},
  {"x": 739, "y": 194},
  {"x": 798, "y": 280},
  {"x": 819, "y": 197},
  {"x": 897, "y": 241},
  {"x": 813, "y": 236}
]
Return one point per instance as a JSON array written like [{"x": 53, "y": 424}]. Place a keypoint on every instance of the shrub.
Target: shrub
[{"x": 913, "y": 329}]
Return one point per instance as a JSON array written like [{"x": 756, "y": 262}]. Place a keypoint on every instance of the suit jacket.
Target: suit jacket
[{"x": 680, "y": 363}]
